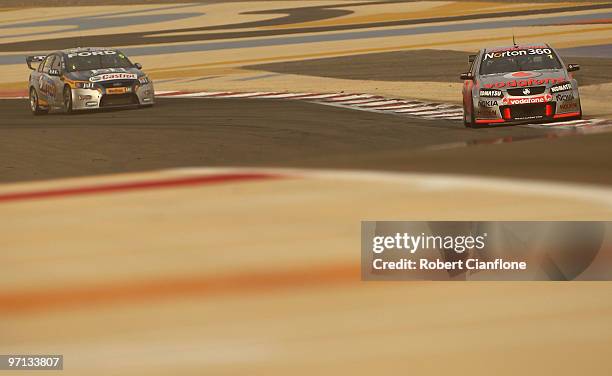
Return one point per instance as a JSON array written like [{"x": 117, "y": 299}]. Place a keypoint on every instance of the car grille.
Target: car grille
[
  {"x": 118, "y": 100},
  {"x": 117, "y": 83},
  {"x": 519, "y": 92},
  {"x": 528, "y": 111}
]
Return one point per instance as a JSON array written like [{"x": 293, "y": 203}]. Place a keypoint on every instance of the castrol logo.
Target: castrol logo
[{"x": 113, "y": 76}]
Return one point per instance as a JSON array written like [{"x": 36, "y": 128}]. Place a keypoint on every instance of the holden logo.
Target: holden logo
[
  {"x": 522, "y": 75},
  {"x": 526, "y": 91}
]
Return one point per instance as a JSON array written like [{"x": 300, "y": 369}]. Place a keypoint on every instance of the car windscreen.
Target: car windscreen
[
  {"x": 519, "y": 59},
  {"x": 96, "y": 60}
]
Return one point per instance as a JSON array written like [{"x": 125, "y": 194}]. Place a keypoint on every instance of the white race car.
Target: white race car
[{"x": 85, "y": 79}]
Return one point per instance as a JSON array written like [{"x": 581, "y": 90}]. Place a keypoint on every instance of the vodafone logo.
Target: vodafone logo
[
  {"x": 538, "y": 99},
  {"x": 522, "y": 83},
  {"x": 113, "y": 76}
]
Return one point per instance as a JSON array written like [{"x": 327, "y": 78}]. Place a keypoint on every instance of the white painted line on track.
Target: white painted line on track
[
  {"x": 410, "y": 110},
  {"x": 361, "y": 101},
  {"x": 443, "y": 117},
  {"x": 282, "y": 95},
  {"x": 320, "y": 96},
  {"x": 420, "y": 113},
  {"x": 349, "y": 97},
  {"x": 245, "y": 95},
  {"x": 397, "y": 107},
  {"x": 448, "y": 115},
  {"x": 382, "y": 103}
]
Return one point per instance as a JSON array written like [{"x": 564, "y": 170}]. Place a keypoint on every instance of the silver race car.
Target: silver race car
[
  {"x": 519, "y": 84},
  {"x": 87, "y": 78}
]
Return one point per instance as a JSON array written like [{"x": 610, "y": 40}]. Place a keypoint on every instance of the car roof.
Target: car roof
[
  {"x": 517, "y": 47},
  {"x": 84, "y": 49}
]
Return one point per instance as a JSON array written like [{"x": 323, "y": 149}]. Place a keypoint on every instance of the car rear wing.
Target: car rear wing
[
  {"x": 471, "y": 58},
  {"x": 34, "y": 59}
]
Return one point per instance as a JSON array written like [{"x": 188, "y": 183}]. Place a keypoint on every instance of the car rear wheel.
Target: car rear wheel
[
  {"x": 34, "y": 103},
  {"x": 67, "y": 100}
]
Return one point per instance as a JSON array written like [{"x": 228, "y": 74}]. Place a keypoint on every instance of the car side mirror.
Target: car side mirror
[
  {"x": 54, "y": 72},
  {"x": 573, "y": 67},
  {"x": 467, "y": 76},
  {"x": 138, "y": 66}
]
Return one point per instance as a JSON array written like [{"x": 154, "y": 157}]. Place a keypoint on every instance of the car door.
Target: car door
[
  {"x": 55, "y": 76},
  {"x": 46, "y": 86},
  {"x": 36, "y": 79}
]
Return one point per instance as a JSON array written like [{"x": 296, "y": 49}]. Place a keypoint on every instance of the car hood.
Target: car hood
[
  {"x": 522, "y": 79},
  {"x": 99, "y": 75}
]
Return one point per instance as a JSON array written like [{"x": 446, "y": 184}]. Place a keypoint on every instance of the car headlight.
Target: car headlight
[
  {"x": 490, "y": 93},
  {"x": 85, "y": 85},
  {"x": 144, "y": 80}
]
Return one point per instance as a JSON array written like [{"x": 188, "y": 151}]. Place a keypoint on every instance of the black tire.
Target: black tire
[
  {"x": 472, "y": 122},
  {"x": 34, "y": 104},
  {"x": 67, "y": 99}
]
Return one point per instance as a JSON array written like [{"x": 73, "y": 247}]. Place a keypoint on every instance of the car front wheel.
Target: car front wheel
[
  {"x": 67, "y": 100},
  {"x": 471, "y": 122}
]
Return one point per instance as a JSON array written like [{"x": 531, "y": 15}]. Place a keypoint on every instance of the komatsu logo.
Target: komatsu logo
[
  {"x": 113, "y": 76},
  {"x": 490, "y": 93},
  {"x": 558, "y": 88},
  {"x": 91, "y": 53}
]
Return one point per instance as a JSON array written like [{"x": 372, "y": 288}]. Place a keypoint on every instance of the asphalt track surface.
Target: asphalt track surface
[{"x": 251, "y": 132}]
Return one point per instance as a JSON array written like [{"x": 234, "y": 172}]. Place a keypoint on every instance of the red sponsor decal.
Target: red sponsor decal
[
  {"x": 521, "y": 83},
  {"x": 569, "y": 114},
  {"x": 486, "y": 121},
  {"x": 538, "y": 99},
  {"x": 568, "y": 106}
]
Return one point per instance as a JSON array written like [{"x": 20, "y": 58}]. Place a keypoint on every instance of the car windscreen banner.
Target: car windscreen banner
[{"x": 486, "y": 250}]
